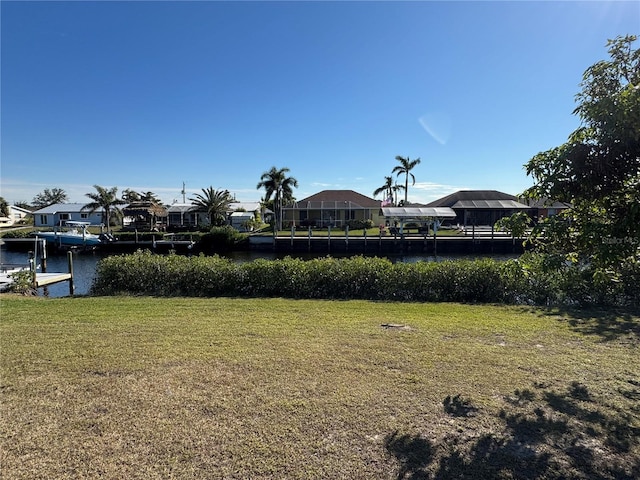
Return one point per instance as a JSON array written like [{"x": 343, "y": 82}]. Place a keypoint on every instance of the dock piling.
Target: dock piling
[{"x": 72, "y": 288}]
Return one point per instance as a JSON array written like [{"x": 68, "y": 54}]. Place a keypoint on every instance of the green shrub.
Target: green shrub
[
  {"x": 22, "y": 283},
  {"x": 530, "y": 280},
  {"x": 220, "y": 239},
  {"x": 22, "y": 233},
  {"x": 360, "y": 224}
]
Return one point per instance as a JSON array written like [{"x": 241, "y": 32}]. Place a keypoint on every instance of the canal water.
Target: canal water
[{"x": 84, "y": 265}]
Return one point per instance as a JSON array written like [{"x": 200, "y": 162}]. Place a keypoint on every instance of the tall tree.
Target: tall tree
[
  {"x": 49, "y": 197},
  {"x": 214, "y": 202},
  {"x": 276, "y": 183},
  {"x": 106, "y": 200},
  {"x": 386, "y": 189},
  {"x": 405, "y": 167},
  {"x": 597, "y": 170}
]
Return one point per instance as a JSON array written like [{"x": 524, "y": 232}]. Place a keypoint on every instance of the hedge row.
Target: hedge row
[{"x": 524, "y": 281}]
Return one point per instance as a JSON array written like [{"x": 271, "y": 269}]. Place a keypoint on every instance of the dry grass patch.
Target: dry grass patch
[{"x": 268, "y": 388}]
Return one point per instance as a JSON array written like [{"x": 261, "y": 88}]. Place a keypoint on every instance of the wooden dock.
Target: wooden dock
[
  {"x": 38, "y": 279},
  {"x": 44, "y": 279}
]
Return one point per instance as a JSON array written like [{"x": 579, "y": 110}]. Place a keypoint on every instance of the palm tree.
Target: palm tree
[
  {"x": 277, "y": 184},
  {"x": 214, "y": 202},
  {"x": 105, "y": 199},
  {"x": 386, "y": 189},
  {"x": 395, "y": 189},
  {"x": 150, "y": 197},
  {"x": 405, "y": 167},
  {"x": 130, "y": 196}
]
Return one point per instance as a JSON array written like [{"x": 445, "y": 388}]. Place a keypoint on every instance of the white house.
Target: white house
[
  {"x": 183, "y": 215},
  {"x": 53, "y": 214},
  {"x": 16, "y": 215}
]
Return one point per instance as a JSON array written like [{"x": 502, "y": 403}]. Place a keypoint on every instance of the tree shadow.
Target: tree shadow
[
  {"x": 536, "y": 435},
  {"x": 458, "y": 407},
  {"x": 608, "y": 324},
  {"x": 412, "y": 452}
]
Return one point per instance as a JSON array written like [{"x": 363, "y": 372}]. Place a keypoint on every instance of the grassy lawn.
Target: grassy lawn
[{"x": 267, "y": 388}]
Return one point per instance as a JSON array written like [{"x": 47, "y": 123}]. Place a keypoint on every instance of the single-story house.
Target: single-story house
[
  {"x": 239, "y": 220},
  {"x": 480, "y": 207},
  {"x": 53, "y": 215},
  {"x": 183, "y": 215},
  {"x": 16, "y": 215},
  {"x": 332, "y": 207},
  {"x": 243, "y": 212}
]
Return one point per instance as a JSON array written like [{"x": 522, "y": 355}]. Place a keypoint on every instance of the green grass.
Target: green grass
[{"x": 127, "y": 387}]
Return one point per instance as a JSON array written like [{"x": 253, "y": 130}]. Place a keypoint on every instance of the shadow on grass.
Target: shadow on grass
[
  {"x": 541, "y": 434},
  {"x": 608, "y": 324},
  {"x": 458, "y": 407}
]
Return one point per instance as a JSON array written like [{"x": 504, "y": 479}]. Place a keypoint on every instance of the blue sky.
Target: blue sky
[{"x": 146, "y": 95}]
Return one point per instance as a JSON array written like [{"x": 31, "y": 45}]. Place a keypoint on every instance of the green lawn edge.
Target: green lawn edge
[{"x": 142, "y": 387}]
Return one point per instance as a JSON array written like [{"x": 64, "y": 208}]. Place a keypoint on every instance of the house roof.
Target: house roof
[
  {"x": 20, "y": 209},
  {"x": 247, "y": 206},
  {"x": 479, "y": 199},
  {"x": 233, "y": 206},
  {"x": 338, "y": 199},
  {"x": 180, "y": 207},
  {"x": 61, "y": 208}
]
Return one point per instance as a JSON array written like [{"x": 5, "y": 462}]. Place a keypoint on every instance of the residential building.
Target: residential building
[
  {"x": 332, "y": 207},
  {"x": 480, "y": 207},
  {"x": 58, "y": 213},
  {"x": 16, "y": 215}
]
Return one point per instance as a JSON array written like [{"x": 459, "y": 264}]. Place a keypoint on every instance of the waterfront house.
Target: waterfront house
[
  {"x": 53, "y": 215},
  {"x": 332, "y": 207},
  {"x": 16, "y": 215},
  {"x": 183, "y": 216},
  {"x": 480, "y": 207}
]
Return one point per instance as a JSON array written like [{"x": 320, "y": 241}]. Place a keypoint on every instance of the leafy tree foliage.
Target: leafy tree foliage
[
  {"x": 23, "y": 204},
  {"x": 49, "y": 197},
  {"x": 130, "y": 196},
  {"x": 276, "y": 184},
  {"x": 106, "y": 200},
  {"x": 597, "y": 170},
  {"x": 214, "y": 202},
  {"x": 517, "y": 224},
  {"x": 405, "y": 167},
  {"x": 4, "y": 207}
]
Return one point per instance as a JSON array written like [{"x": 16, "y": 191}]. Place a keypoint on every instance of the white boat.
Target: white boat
[
  {"x": 6, "y": 274},
  {"x": 74, "y": 234}
]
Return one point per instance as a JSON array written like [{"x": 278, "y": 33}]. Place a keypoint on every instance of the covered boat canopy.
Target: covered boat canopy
[{"x": 406, "y": 213}]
